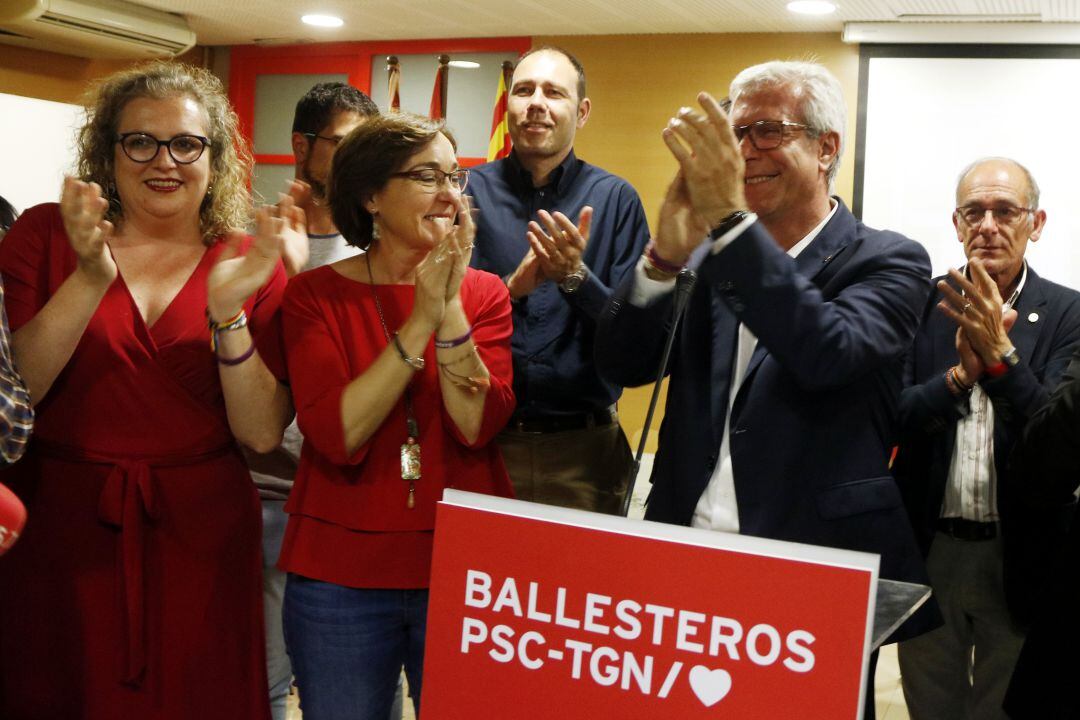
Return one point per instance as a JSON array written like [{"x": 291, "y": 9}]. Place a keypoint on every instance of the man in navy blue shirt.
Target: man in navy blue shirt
[{"x": 561, "y": 233}]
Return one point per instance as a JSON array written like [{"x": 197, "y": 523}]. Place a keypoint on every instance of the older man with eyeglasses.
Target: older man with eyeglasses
[
  {"x": 788, "y": 364},
  {"x": 994, "y": 342}
]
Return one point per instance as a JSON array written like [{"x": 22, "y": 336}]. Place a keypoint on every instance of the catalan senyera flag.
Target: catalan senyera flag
[
  {"x": 437, "y": 111},
  {"x": 500, "y": 144},
  {"x": 393, "y": 94}
]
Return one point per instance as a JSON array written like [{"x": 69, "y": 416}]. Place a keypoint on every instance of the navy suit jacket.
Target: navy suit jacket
[
  {"x": 1046, "y": 331},
  {"x": 812, "y": 425}
]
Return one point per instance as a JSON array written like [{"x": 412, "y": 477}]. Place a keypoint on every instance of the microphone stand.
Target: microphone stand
[{"x": 684, "y": 286}]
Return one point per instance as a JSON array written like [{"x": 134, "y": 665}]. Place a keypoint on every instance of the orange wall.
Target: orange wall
[
  {"x": 60, "y": 78},
  {"x": 637, "y": 82}
]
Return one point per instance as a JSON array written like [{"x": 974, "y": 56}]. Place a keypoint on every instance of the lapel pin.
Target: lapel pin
[{"x": 1033, "y": 317}]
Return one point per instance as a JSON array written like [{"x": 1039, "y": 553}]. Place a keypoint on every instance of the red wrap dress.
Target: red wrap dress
[{"x": 134, "y": 591}]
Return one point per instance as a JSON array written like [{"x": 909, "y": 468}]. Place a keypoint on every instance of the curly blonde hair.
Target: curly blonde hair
[{"x": 227, "y": 205}]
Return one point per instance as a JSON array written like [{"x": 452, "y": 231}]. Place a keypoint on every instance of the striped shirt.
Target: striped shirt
[{"x": 971, "y": 492}]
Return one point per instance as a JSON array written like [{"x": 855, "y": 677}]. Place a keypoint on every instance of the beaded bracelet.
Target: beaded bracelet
[
  {"x": 453, "y": 343},
  {"x": 237, "y": 321},
  {"x": 952, "y": 382}
]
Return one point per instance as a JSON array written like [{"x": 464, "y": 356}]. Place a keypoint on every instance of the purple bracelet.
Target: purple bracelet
[
  {"x": 660, "y": 263},
  {"x": 447, "y": 344},
  {"x": 237, "y": 360}
]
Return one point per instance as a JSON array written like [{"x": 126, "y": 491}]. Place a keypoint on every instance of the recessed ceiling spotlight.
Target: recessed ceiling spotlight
[
  {"x": 811, "y": 7},
  {"x": 465, "y": 64},
  {"x": 328, "y": 21}
]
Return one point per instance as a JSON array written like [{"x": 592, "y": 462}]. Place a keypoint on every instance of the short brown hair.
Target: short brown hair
[
  {"x": 364, "y": 162},
  {"x": 228, "y": 205}
]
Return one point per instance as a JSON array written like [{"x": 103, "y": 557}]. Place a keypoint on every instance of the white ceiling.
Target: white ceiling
[{"x": 218, "y": 22}]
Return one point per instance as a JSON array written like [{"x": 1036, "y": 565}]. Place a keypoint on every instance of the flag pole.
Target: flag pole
[
  {"x": 442, "y": 83},
  {"x": 393, "y": 92}
]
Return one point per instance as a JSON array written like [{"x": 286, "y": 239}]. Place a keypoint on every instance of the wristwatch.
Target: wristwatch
[
  {"x": 573, "y": 281},
  {"x": 727, "y": 224},
  {"x": 1009, "y": 359}
]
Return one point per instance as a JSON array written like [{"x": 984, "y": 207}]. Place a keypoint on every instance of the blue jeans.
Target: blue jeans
[{"x": 348, "y": 645}]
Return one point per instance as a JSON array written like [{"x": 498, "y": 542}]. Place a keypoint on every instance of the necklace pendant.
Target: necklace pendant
[
  {"x": 410, "y": 460},
  {"x": 411, "y": 502}
]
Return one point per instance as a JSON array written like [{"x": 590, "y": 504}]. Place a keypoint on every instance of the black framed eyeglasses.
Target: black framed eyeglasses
[
  {"x": 767, "y": 134},
  {"x": 143, "y": 147},
  {"x": 431, "y": 179},
  {"x": 333, "y": 140},
  {"x": 972, "y": 215}
]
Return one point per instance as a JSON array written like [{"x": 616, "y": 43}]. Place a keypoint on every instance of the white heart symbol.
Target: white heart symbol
[{"x": 711, "y": 686}]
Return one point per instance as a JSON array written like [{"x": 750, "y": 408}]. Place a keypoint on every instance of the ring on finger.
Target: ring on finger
[{"x": 963, "y": 310}]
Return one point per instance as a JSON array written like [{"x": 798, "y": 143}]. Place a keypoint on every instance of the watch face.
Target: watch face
[{"x": 573, "y": 281}]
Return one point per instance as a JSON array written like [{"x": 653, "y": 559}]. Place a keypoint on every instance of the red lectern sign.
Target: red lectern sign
[{"x": 545, "y": 613}]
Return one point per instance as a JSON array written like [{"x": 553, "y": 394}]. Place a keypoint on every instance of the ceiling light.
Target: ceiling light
[
  {"x": 465, "y": 64},
  {"x": 811, "y": 7},
  {"x": 328, "y": 21}
]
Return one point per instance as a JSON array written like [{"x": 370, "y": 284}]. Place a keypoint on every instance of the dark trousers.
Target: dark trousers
[{"x": 585, "y": 469}]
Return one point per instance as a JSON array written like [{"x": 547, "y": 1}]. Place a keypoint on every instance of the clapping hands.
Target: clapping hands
[
  {"x": 235, "y": 277},
  {"x": 82, "y": 209}
]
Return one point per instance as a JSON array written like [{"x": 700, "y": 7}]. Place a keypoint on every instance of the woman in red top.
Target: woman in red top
[
  {"x": 134, "y": 591},
  {"x": 399, "y": 361}
]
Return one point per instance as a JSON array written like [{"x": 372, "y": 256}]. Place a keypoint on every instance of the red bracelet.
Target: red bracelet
[{"x": 660, "y": 263}]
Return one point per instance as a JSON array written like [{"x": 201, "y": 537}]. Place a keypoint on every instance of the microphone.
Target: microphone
[
  {"x": 12, "y": 519},
  {"x": 684, "y": 287}
]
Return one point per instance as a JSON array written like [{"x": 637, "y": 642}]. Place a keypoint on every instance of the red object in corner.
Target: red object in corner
[{"x": 12, "y": 519}]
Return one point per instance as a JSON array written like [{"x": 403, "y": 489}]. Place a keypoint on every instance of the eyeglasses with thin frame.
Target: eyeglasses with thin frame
[
  {"x": 333, "y": 140},
  {"x": 767, "y": 134},
  {"x": 431, "y": 179},
  {"x": 973, "y": 215},
  {"x": 143, "y": 147}
]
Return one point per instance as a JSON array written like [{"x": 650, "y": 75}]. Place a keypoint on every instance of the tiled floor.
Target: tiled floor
[{"x": 888, "y": 697}]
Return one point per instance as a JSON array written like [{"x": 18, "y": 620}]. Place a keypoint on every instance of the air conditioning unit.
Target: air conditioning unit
[{"x": 94, "y": 28}]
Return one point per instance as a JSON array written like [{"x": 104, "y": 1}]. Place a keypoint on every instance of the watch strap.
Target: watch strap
[{"x": 728, "y": 224}]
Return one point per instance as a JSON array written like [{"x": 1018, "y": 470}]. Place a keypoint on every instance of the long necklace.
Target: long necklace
[{"x": 410, "y": 450}]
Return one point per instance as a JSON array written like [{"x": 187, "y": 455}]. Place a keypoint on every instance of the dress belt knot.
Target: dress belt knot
[{"x": 129, "y": 502}]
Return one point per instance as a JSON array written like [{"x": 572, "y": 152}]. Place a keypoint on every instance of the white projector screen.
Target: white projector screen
[
  {"x": 37, "y": 146},
  {"x": 926, "y": 118}
]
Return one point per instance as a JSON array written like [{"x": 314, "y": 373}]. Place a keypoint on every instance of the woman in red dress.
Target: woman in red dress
[
  {"x": 399, "y": 361},
  {"x": 134, "y": 591}
]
